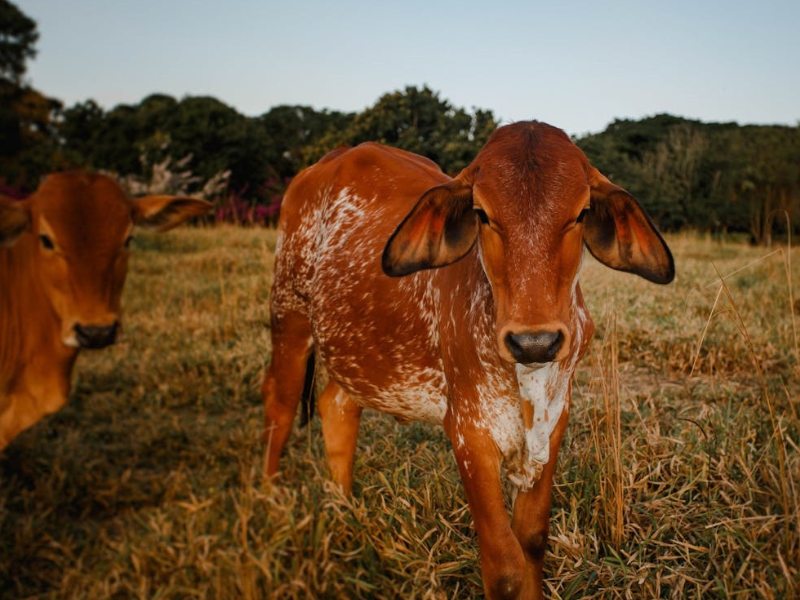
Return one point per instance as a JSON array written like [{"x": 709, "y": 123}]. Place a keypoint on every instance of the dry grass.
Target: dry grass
[{"x": 678, "y": 478}]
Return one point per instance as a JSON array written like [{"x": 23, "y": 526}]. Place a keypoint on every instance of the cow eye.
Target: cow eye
[
  {"x": 582, "y": 215},
  {"x": 482, "y": 217},
  {"x": 128, "y": 241},
  {"x": 47, "y": 243}
]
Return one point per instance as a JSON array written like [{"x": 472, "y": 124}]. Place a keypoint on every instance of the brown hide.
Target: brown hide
[
  {"x": 454, "y": 301},
  {"x": 63, "y": 260}
]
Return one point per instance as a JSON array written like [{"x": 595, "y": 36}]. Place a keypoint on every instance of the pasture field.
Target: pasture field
[{"x": 678, "y": 478}]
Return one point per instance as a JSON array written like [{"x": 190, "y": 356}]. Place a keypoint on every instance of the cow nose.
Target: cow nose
[
  {"x": 93, "y": 336},
  {"x": 534, "y": 347}
]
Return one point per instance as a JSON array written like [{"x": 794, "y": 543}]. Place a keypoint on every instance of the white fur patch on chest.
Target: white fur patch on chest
[{"x": 545, "y": 389}]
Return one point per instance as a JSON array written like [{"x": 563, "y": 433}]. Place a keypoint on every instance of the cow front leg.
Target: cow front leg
[
  {"x": 503, "y": 564},
  {"x": 531, "y": 517},
  {"x": 340, "y": 419},
  {"x": 42, "y": 389},
  {"x": 18, "y": 413}
]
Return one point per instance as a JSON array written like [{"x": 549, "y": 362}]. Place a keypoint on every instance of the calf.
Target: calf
[
  {"x": 63, "y": 260},
  {"x": 453, "y": 301}
]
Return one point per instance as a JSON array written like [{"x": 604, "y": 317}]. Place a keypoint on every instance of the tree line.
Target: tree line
[{"x": 717, "y": 177}]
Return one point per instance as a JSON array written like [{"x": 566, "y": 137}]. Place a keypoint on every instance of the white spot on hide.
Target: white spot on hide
[{"x": 545, "y": 388}]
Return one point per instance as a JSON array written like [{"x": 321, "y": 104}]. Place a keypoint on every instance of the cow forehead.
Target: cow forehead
[
  {"x": 529, "y": 167},
  {"x": 83, "y": 208}
]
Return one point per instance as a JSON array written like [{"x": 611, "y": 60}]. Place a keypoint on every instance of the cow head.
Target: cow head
[
  {"x": 78, "y": 228},
  {"x": 532, "y": 201}
]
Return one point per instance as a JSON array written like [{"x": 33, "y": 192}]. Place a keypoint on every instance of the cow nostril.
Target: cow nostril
[
  {"x": 535, "y": 347},
  {"x": 93, "y": 336}
]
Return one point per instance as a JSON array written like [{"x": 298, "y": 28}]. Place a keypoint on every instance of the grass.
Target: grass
[{"x": 678, "y": 477}]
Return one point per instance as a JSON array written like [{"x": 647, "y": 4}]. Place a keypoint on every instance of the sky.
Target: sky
[{"x": 574, "y": 64}]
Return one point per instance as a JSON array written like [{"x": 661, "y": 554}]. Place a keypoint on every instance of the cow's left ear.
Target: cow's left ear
[
  {"x": 161, "y": 213},
  {"x": 14, "y": 221},
  {"x": 620, "y": 235},
  {"x": 439, "y": 230}
]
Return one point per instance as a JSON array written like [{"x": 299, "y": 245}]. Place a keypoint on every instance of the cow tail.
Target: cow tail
[{"x": 307, "y": 405}]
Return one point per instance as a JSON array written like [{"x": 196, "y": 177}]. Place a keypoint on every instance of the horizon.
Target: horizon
[
  {"x": 645, "y": 117},
  {"x": 577, "y": 66}
]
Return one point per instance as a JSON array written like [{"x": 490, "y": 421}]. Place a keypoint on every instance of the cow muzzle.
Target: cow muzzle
[
  {"x": 96, "y": 336},
  {"x": 541, "y": 346}
]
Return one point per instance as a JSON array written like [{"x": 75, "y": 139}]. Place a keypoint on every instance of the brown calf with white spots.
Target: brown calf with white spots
[
  {"x": 454, "y": 301},
  {"x": 63, "y": 260}
]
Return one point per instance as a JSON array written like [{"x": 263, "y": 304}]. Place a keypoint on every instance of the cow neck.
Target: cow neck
[
  {"x": 28, "y": 322},
  {"x": 545, "y": 393},
  {"x": 467, "y": 315},
  {"x": 467, "y": 311}
]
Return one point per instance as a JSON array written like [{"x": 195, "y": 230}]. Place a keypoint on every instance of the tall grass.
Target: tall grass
[{"x": 678, "y": 477}]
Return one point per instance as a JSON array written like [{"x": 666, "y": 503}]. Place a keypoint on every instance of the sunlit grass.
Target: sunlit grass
[{"x": 678, "y": 477}]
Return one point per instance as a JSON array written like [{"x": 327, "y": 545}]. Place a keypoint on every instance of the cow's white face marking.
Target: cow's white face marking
[
  {"x": 525, "y": 449},
  {"x": 546, "y": 389}
]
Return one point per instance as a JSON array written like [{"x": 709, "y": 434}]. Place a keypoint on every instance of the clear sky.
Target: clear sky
[{"x": 577, "y": 65}]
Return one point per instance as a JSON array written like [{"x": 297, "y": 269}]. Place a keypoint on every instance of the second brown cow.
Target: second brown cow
[{"x": 63, "y": 261}]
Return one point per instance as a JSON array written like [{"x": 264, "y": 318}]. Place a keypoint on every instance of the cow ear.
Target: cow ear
[
  {"x": 620, "y": 235},
  {"x": 14, "y": 221},
  {"x": 161, "y": 213},
  {"x": 438, "y": 231}
]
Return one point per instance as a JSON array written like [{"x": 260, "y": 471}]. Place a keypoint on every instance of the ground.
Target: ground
[{"x": 678, "y": 478}]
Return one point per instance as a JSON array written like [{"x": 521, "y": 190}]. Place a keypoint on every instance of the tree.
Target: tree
[
  {"x": 132, "y": 139},
  {"x": 671, "y": 172},
  {"x": 419, "y": 121},
  {"x": 764, "y": 181},
  {"x": 264, "y": 153},
  {"x": 18, "y": 36},
  {"x": 78, "y": 129},
  {"x": 27, "y": 117},
  {"x": 220, "y": 138},
  {"x": 707, "y": 176},
  {"x": 290, "y": 129}
]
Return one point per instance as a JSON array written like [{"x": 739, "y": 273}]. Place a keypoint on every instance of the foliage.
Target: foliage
[
  {"x": 29, "y": 132},
  {"x": 18, "y": 37},
  {"x": 708, "y": 176},
  {"x": 237, "y": 209},
  {"x": 253, "y": 150},
  {"x": 263, "y": 153},
  {"x": 291, "y": 129},
  {"x": 28, "y": 118},
  {"x": 419, "y": 121},
  {"x": 218, "y": 137},
  {"x": 687, "y": 174},
  {"x": 13, "y": 193}
]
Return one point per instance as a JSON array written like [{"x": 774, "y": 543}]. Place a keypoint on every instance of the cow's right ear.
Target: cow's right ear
[
  {"x": 14, "y": 221},
  {"x": 439, "y": 230},
  {"x": 161, "y": 213}
]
